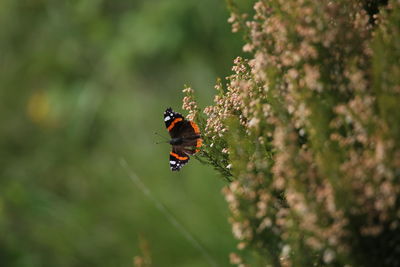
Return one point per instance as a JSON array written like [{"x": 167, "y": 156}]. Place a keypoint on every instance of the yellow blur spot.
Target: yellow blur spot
[{"x": 38, "y": 108}]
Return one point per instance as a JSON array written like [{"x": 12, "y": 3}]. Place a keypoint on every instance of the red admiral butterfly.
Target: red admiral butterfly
[{"x": 185, "y": 138}]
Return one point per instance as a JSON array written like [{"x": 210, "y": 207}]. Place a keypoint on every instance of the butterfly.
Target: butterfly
[{"x": 185, "y": 138}]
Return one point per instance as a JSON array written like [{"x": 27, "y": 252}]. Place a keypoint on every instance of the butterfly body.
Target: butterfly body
[
  {"x": 185, "y": 138},
  {"x": 176, "y": 141}
]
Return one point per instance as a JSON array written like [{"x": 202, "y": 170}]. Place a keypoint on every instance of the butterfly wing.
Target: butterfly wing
[
  {"x": 191, "y": 137},
  {"x": 177, "y": 158},
  {"x": 173, "y": 121},
  {"x": 188, "y": 131}
]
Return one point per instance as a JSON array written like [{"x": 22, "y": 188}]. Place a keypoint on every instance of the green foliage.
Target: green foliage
[
  {"x": 82, "y": 84},
  {"x": 308, "y": 129}
]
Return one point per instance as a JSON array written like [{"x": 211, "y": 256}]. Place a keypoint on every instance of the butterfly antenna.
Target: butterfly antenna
[
  {"x": 166, "y": 140},
  {"x": 162, "y": 136},
  {"x": 161, "y": 142}
]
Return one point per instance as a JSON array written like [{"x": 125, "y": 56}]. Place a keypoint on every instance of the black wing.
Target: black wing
[
  {"x": 173, "y": 121},
  {"x": 177, "y": 158}
]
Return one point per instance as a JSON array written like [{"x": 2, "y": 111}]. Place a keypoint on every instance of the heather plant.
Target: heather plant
[{"x": 307, "y": 131}]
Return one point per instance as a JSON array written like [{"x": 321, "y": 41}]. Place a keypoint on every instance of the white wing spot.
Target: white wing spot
[
  {"x": 167, "y": 118},
  {"x": 172, "y": 162}
]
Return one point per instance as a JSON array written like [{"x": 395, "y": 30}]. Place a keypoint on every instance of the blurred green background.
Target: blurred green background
[{"x": 84, "y": 83}]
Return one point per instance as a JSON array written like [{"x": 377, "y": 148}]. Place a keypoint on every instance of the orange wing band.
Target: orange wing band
[
  {"x": 195, "y": 127},
  {"x": 177, "y": 156},
  {"x": 198, "y": 144},
  {"x": 173, "y": 123},
  {"x": 197, "y": 131}
]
